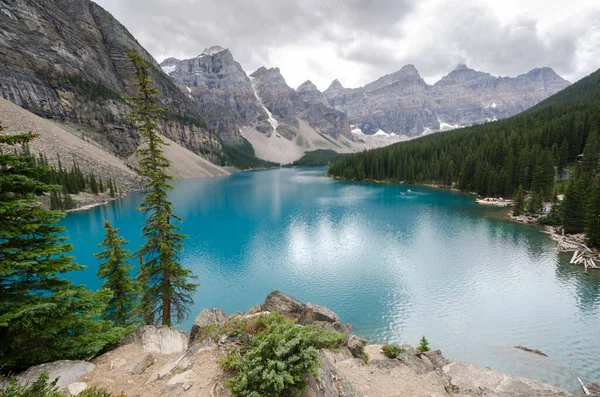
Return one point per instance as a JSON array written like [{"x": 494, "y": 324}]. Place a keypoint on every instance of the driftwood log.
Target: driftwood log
[{"x": 582, "y": 254}]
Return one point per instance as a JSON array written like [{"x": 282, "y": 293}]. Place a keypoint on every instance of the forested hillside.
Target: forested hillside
[{"x": 496, "y": 158}]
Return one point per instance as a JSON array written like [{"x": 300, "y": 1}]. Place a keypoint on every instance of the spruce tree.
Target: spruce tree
[
  {"x": 519, "y": 204},
  {"x": 93, "y": 184},
  {"x": 166, "y": 290},
  {"x": 43, "y": 316},
  {"x": 100, "y": 185},
  {"x": 116, "y": 269},
  {"x": 573, "y": 207},
  {"x": 535, "y": 205},
  {"x": 592, "y": 219}
]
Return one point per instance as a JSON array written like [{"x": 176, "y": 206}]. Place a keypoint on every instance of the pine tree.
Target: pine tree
[
  {"x": 519, "y": 204},
  {"x": 573, "y": 207},
  {"x": 111, "y": 188},
  {"x": 535, "y": 205},
  {"x": 67, "y": 201},
  {"x": 116, "y": 269},
  {"x": 423, "y": 346},
  {"x": 93, "y": 184},
  {"x": 100, "y": 185},
  {"x": 166, "y": 291},
  {"x": 43, "y": 316},
  {"x": 592, "y": 219}
]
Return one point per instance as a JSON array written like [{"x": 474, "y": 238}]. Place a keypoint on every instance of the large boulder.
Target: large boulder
[
  {"x": 287, "y": 305},
  {"x": 356, "y": 344},
  {"x": 158, "y": 339},
  {"x": 206, "y": 318},
  {"x": 319, "y": 313},
  {"x": 329, "y": 383},
  {"x": 67, "y": 372},
  {"x": 140, "y": 365}
]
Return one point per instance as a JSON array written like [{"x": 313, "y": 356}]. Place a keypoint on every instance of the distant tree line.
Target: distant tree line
[{"x": 508, "y": 158}]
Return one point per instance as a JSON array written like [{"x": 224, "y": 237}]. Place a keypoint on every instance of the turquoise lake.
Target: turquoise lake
[{"x": 397, "y": 262}]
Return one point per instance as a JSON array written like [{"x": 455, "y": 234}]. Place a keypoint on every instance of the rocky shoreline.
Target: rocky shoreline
[{"x": 157, "y": 361}]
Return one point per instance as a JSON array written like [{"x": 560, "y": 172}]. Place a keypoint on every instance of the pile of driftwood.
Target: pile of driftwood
[{"x": 582, "y": 254}]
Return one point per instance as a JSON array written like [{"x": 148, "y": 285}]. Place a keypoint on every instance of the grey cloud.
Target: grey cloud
[{"x": 360, "y": 32}]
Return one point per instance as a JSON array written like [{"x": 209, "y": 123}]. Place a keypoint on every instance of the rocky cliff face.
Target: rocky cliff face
[
  {"x": 222, "y": 91},
  {"x": 229, "y": 100},
  {"x": 65, "y": 60},
  {"x": 403, "y": 103}
]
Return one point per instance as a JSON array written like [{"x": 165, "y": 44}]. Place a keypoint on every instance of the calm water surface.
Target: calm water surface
[{"x": 397, "y": 262}]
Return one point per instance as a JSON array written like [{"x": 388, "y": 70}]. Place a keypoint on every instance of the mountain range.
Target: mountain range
[{"x": 65, "y": 60}]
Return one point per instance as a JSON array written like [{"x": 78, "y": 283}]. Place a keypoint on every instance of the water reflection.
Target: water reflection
[{"x": 395, "y": 263}]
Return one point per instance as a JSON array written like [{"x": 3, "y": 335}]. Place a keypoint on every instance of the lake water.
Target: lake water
[{"x": 397, "y": 262}]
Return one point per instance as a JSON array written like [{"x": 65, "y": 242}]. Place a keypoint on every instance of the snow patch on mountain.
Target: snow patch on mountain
[{"x": 169, "y": 69}]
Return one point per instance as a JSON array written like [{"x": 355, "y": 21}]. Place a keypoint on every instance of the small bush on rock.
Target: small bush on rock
[
  {"x": 276, "y": 357},
  {"x": 392, "y": 351},
  {"x": 42, "y": 387},
  {"x": 423, "y": 346}
]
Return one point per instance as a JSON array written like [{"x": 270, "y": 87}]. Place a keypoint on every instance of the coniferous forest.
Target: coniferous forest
[{"x": 555, "y": 140}]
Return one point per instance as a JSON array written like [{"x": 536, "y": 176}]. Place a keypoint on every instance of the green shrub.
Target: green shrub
[
  {"x": 392, "y": 351},
  {"x": 276, "y": 357},
  {"x": 42, "y": 387},
  {"x": 423, "y": 346}
]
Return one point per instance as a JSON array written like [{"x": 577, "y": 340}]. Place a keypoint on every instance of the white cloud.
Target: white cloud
[{"x": 357, "y": 41}]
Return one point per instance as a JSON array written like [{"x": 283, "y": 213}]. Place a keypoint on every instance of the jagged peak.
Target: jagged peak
[
  {"x": 545, "y": 72},
  {"x": 307, "y": 86},
  {"x": 170, "y": 60},
  {"x": 335, "y": 84},
  {"x": 460, "y": 67},
  {"x": 210, "y": 51},
  {"x": 409, "y": 69},
  {"x": 259, "y": 72}
]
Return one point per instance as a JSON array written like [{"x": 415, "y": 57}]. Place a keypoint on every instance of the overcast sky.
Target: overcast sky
[{"x": 357, "y": 41}]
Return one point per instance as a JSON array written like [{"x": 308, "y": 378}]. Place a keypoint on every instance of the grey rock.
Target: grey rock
[
  {"x": 158, "y": 339},
  {"x": 46, "y": 39},
  {"x": 329, "y": 383},
  {"x": 67, "y": 372},
  {"x": 287, "y": 305},
  {"x": 165, "y": 369},
  {"x": 187, "y": 360},
  {"x": 420, "y": 366},
  {"x": 76, "y": 388},
  {"x": 255, "y": 310},
  {"x": 344, "y": 329},
  {"x": 179, "y": 381},
  {"x": 206, "y": 318},
  {"x": 436, "y": 358},
  {"x": 140, "y": 365},
  {"x": 319, "y": 313},
  {"x": 472, "y": 378},
  {"x": 356, "y": 345},
  {"x": 403, "y": 103}
]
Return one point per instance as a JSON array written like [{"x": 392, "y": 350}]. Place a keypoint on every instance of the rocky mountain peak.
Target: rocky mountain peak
[
  {"x": 214, "y": 50},
  {"x": 307, "y": 86},
  {"x": 335, "y": 84},
  {"x": 544, "y": 73},
  {"x": 309, "y": 93},
  {"x": 409, "y": 70}
]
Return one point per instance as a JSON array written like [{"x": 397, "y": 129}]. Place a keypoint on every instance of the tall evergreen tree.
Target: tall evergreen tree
[
  {"x": 519, "y": 204},
  {"x": 43, "y": 317},
  {"x": 116, "y": 269},
  {"x": 573, "y": 207},
  {"x": 93, "y": 184},
  {"x": 592, "y": 221},
  {"x": 535, "y": 204},
  {"x": 166, "y": 290}
]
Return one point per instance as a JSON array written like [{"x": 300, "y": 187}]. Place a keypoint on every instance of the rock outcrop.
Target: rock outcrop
[
  {"x": 229, "y": 100},
  {"x": 403, "y": 103},
  {"x": 157, "y": 362},
  {"x": 65, "y": 60}
]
